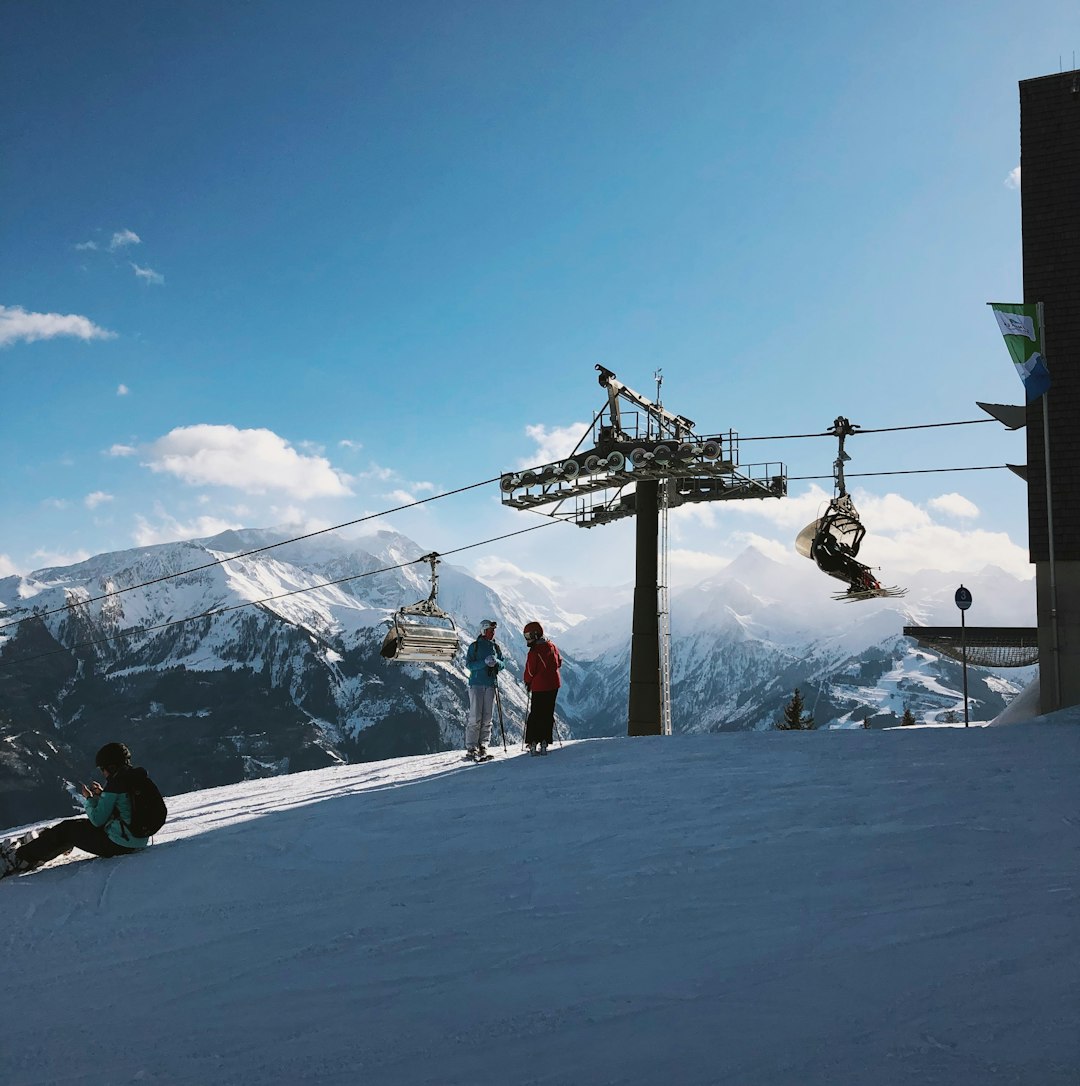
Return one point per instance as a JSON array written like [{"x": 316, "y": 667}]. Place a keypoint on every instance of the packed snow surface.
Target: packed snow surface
[{"x": 814, "y": 908}]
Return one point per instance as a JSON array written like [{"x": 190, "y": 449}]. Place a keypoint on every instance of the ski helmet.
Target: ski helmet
[
  {"x": 488, "y": 624},
  {"x": 533, "y": 631},
  {"x": 112, "y": 756}
]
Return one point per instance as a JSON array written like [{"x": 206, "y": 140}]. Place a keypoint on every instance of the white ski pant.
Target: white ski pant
[{"x": 481, "y": 704}]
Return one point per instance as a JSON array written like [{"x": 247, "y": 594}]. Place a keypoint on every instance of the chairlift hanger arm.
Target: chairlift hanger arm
[
  {"x": 433, "y": 558},
  {"x": 430, "y": 606},
  {"x": 841, "y": 428}
]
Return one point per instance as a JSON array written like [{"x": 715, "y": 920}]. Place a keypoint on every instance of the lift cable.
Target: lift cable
[
  {"x": 548, "y": 521},
  {"x": 910, "y": 471},
  {"x": 246, "y": 554},
  {"x": 213, "y": 612},
  {"x": 451, "y": 493},
  {"x": 879, "y": 430}
]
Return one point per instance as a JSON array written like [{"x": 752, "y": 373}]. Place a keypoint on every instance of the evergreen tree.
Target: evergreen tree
[
  {"x": 908, "y": 718},
  {"x": 949, "y": 717},
  {"x": 794, "y": 717}
]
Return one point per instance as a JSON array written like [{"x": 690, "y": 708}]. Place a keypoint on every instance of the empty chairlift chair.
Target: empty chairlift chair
[{"x": 422, "y": 633}]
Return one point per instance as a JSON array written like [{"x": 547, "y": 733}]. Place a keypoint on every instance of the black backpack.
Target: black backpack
[{"x": 148, "y": 810}]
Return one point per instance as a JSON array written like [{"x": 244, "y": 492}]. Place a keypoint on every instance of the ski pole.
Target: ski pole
[
  {"x": 498, "y": 705},
  {"x": 528, "y": 711}
]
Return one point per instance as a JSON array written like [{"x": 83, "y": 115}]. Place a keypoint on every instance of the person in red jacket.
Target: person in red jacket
[{"x": 542, "y": 680}]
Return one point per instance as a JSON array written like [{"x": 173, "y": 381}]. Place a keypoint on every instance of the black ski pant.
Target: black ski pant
[
  {"x": 69, "y": 834},
  {"x": 541, "y": 719}
]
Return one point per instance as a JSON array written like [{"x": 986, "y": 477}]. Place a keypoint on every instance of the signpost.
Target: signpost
[{"x": 963, "y": 601}]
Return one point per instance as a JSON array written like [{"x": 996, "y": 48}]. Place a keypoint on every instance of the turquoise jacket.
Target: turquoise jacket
[
  {"x": 476, "y": 661},
  {"x": 112, "y": 810}
]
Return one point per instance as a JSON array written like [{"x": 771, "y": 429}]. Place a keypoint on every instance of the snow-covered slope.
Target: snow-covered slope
[{"x": 892, "y": 908}]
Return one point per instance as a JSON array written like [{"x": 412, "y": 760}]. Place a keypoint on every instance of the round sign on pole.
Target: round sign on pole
[{"x": 963, "y": 598}]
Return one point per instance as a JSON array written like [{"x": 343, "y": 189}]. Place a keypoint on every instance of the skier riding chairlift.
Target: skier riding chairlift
[{"x": 833, "y": 541}]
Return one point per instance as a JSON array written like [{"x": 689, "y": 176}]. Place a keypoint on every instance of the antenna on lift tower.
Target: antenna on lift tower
[{"x": 643, "y": 461}]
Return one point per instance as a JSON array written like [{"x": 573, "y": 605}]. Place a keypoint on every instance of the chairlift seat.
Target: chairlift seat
[{"x": 421, "y": 634}]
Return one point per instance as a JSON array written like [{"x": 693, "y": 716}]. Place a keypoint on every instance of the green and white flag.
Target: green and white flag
[{"x": 1021, "y": 325}]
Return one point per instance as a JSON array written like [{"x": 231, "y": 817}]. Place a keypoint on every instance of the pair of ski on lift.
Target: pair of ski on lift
[{"x": 833, "y": 540}]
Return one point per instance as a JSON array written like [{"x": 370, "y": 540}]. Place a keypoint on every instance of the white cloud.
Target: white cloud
[
  {"x": 55, "y": 503},
  {"x": 148, "y": 275},
  {"x": 7, "y": 566},
  {"x": 376, "y": 472},
  {"x": 254, "y": 461},
  {"x": 85, "y": 246},
  {"x": 122, "y": 390},
  {"x": 934, "y": 546},
  {"x": 124, "y": 238},
  {"x": 18, "y": 324},
  {"x": 292, "y": 516},
  {"x": 93, "y": 500},
  {"x": 902, "y": 537},
  {"x": 402, "y": 497},
  {"x": 689, "y": 566},
  {"x": 792, "y": 513},
  {"x": 165, "y": 528},
  {"x": 171, "y": 530},
  {"x": 47, "y": 559},
  {"x": 496, "y": 568},
  {"x": 954, "y": 505},
  {"x": 121, "y": 450},
  {"x": 345, "y": 443},
  {"x": 554, "y": 444},
  {"x": 1013, "y": 180},
  {"x": 890, "y": 512}
]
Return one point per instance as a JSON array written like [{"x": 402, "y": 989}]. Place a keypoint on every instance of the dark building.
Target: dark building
[{"x": 1050, "y": 187}]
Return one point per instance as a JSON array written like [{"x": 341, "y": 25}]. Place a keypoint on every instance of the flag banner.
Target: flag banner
[{"x": 1022, "y": 329}]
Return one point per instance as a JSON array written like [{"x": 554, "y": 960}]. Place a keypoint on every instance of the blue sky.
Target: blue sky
[{"x": 274, "y": 263}]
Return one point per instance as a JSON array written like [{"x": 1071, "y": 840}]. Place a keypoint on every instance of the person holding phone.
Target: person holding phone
[{"x": 103, "y": 831}]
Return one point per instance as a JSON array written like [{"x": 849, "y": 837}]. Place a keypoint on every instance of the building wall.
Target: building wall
[{"x": 1050, "y": 188}]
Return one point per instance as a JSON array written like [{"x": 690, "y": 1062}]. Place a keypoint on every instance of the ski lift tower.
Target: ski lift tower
[{"x": 642, "y": 458}]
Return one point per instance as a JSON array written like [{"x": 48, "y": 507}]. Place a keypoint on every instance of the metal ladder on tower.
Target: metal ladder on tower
[{"x": 662, "y": 595}]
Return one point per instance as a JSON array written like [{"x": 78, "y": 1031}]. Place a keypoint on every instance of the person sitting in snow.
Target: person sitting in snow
[
  {"x": 102, "y": 832},
  {"x": 542, "y": 680},
  {"x": 484, "y": 659}
]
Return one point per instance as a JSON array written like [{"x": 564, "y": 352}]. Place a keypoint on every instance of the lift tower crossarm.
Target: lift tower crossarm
[{"x": 615, "y": 389}]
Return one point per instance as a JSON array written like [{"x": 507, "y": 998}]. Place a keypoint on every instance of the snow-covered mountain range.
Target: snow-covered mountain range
[{"x": 278, "y": 669}]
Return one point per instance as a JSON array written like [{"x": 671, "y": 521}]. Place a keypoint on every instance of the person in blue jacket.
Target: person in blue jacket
[
  {"x": 102, "y": 832},
  {"x": 484, "y": 659}
]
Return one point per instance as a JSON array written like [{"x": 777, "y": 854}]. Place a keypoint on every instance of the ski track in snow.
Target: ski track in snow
[{"x": 822, "y": 908}]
